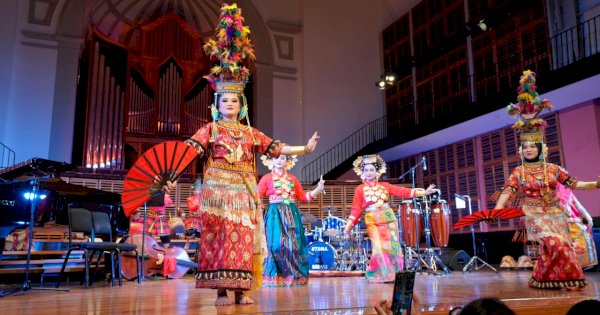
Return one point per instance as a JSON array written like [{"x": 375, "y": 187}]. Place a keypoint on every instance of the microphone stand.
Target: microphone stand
[{"x": 26, "y": 286}]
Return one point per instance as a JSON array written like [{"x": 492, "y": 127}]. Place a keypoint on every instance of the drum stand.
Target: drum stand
[
  {"x": 472, "y": 264},
  {"x": 354, "y": 258},
  {"x": 359, "y": 254},
  {"x": 429, "y": 258}
]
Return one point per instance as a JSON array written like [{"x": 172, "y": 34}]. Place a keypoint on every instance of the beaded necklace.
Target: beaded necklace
[
  {"x": 375, "y": 193},
  {"x": 284, "y": 187}
]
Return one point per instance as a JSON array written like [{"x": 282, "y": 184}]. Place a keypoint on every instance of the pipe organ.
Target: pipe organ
[{"x": 141, "y": 90}]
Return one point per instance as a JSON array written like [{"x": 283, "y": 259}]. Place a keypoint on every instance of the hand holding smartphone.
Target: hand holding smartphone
[{"x": 403, "y": 292}]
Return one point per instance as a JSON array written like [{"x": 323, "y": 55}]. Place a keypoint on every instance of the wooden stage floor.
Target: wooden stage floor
[{"x": 331, "y": 295}]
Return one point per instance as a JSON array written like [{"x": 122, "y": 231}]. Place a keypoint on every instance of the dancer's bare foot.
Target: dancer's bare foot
[
  {"x": 574, "y": 288},
  {"x": 240, "y": 298},
  {"x": 222, "y": 298}
]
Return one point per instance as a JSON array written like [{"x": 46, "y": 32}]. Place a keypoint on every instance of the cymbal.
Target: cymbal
[{"x": 307, "y": 217}]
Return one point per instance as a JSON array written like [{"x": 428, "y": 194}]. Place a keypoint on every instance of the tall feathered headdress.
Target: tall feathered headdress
[
  {"x": 231, "y": 47},
  {"x": 528, "y": 107}
]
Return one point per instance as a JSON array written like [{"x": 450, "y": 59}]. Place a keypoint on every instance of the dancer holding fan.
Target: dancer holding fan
[
  {"x": 231, "y": 252},
  {"x": 534, "y": 183}
]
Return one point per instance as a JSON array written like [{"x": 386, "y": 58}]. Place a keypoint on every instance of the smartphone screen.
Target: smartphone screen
[{"x": 403, "y": 292}]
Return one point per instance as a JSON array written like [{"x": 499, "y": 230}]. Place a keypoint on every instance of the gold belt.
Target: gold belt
[{"x": 242, "y": 167}]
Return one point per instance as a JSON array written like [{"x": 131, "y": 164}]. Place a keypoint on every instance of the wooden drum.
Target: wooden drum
[
  {"x": 409, "y": 217},
  {"x": 439, "y": 219}
]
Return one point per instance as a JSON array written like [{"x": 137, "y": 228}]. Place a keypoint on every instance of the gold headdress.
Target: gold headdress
[
  {"x": 290, "y": 162},
  {"x": 231, "y": 47},
  {"x": 374, "y": 159}
]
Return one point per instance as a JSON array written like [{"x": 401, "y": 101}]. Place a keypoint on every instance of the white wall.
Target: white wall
[
  {"x": 69, "y": 35},
  {"x": 8, "y": 21},
  {"x": 341, "y": 62},
  {"x": 30, "y": 104}
]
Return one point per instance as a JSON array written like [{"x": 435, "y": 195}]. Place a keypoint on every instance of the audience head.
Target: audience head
[
  {"x": 584, "y": 307},
  {"x": 485, "y": 306}
]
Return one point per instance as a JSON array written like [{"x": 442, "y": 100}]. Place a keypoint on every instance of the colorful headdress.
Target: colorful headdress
[
  {"x": 231, "y": 47},
  {"x": 374, "y": 159},
  {"x": 290, "y": 162},
  {"x": 528, "y": 107},
  {"x": 530, "y": 126}
]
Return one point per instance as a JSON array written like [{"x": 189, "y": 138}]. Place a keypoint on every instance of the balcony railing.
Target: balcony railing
[
  {"x": 576, "y": 43},
  {"x": 491, "y": 87},
  {"x": 367, "y": 134},
  {"x": 7, "y": 156}
]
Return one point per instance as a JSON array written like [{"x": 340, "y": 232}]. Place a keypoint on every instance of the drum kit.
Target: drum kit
[{"x": 329, "y": 248}]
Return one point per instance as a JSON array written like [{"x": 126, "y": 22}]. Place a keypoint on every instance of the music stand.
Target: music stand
[
  {"x": 460, "y": 204},
  {"x": 26, "y": 285}
]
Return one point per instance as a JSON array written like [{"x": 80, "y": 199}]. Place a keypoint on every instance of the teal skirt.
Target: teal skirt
[{"x": 287, "y": 261}]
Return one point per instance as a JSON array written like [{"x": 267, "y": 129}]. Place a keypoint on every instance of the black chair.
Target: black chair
[
  {"x": 80, "y": 220},
  {"x": 102, "y": 227}
]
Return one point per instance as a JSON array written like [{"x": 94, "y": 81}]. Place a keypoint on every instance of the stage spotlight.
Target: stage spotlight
[
  {"x": 390, "y": 78},
  {"x": 482, "y": 25},
  {"x": 385, "y": 80}
]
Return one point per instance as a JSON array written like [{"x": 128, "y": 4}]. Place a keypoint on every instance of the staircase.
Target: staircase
[{"x": 337, "y": 160}]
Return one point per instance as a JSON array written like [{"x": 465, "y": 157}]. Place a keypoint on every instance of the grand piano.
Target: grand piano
[{"x": 53, "y": 195}]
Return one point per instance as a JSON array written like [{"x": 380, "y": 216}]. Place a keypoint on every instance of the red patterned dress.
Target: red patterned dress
[
  {"x": 156, "y": 220},
  {"x": 386, "y": 257},
  {"x": 546, "y": 223},
  {"x": 228, "y": 207}
]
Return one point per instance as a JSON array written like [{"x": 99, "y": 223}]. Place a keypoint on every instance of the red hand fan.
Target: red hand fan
[
  {"x": 163, "y": 162},
  {"x": 490, "y": 215}
]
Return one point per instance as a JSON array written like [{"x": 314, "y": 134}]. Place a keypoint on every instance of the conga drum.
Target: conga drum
[
  {"x": 439, "y": 219},
  {"x": 410, "y": 217}
]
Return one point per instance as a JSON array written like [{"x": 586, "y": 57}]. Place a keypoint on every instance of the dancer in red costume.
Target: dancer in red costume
[
  {"x": 534, "y": 183},
  {"x": 373, "y": 196},
  {"x": 232, "y": 242}
]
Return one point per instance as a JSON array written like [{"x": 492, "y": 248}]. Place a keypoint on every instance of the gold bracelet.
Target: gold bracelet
[
  {"x": 299, "y": 150},
  {"x": 419, "y": 192}
]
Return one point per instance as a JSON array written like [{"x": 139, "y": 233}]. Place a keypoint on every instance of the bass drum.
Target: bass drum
[{"x": 321, "y": 256}]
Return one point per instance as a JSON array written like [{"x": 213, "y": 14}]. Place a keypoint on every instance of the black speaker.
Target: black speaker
[{"x": 455, "y": 259}]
